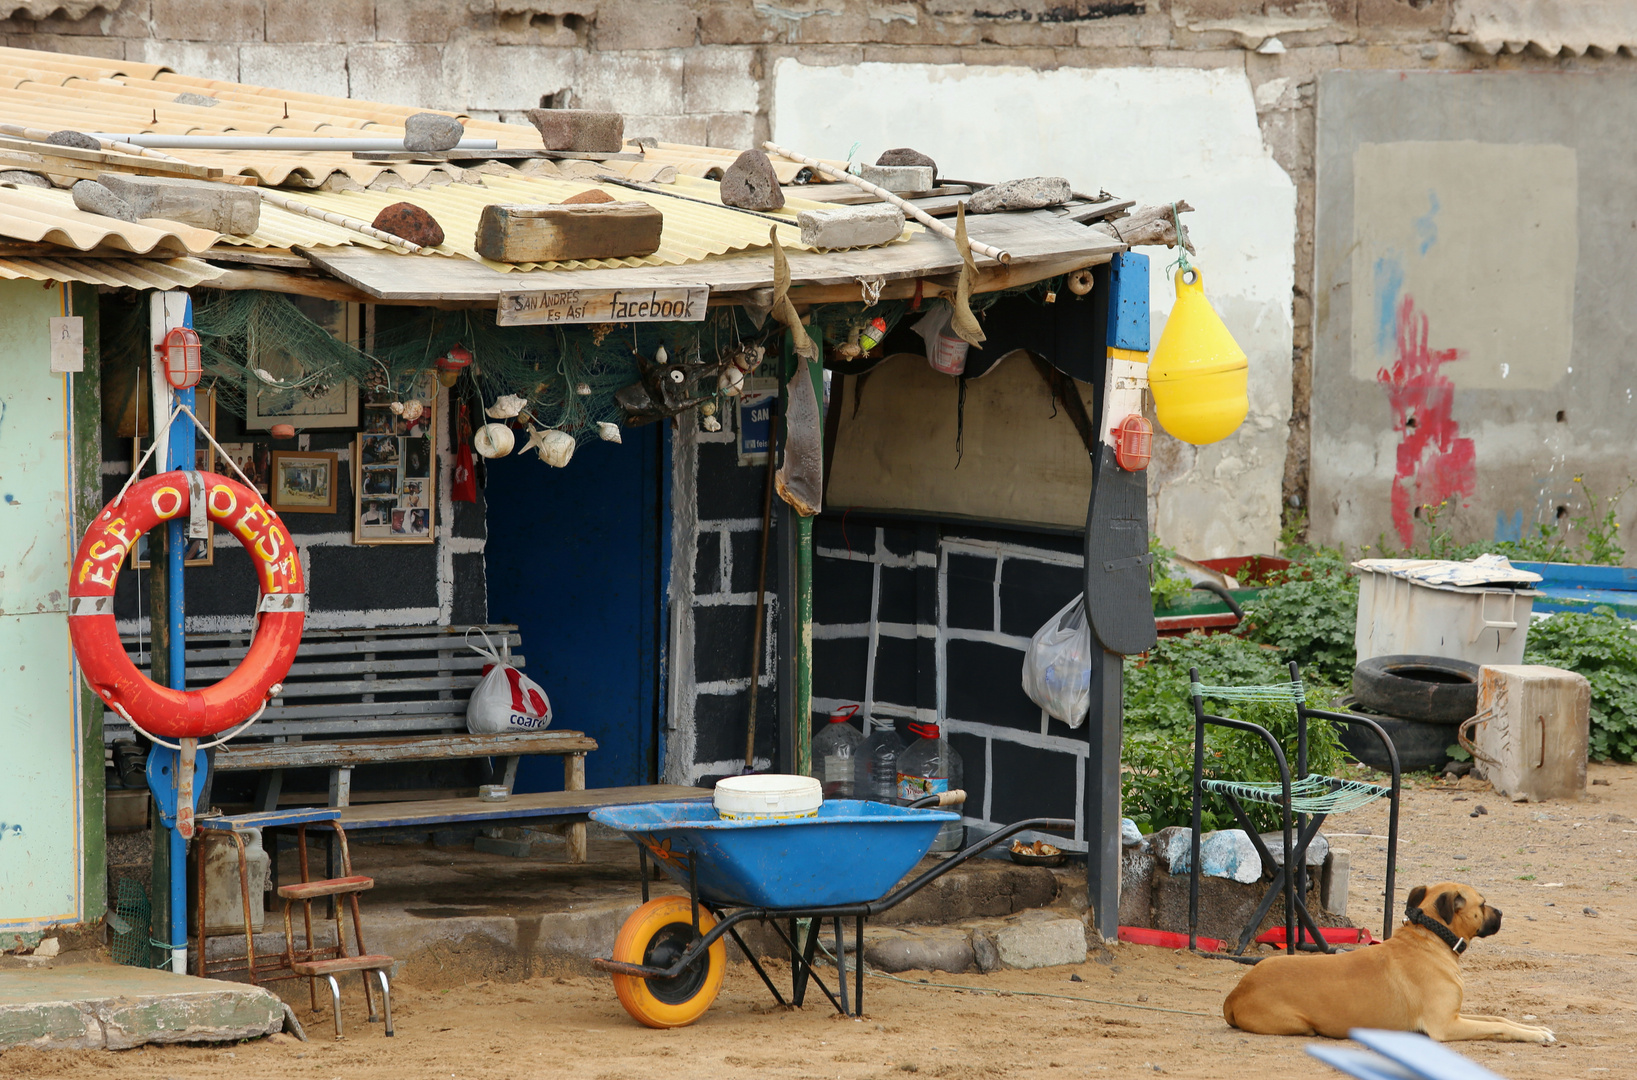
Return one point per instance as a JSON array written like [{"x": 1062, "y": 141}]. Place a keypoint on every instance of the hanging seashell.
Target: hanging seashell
[
  {"x": 708, "y": 409},
  {"x": 267, "y": 377},
  {"x": 583, "y": 389},
  {"x": 411, "y": 411},
  {"x": 609, "y": 432},
  {"x": 493, "y": 440},
  {"x": 556, "y": 447},
  {"x": 506, "y": 406},
  {"x": 661, "y": 356},
  {"x": 712, "y": 424},
  {"x": 397, "y": 407},
  {"x": 731, "y": 382}
]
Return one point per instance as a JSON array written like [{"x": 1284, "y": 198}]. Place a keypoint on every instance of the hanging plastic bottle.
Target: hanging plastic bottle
[
  {"x": 878, "y": 763},
  {"x": 930, "y": 767},
  {"x": 835, "y": 754}
]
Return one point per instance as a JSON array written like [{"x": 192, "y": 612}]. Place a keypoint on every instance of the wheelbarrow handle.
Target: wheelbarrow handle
[
  {"x": 905, "y": 891},
  {"x": 942, "y": 798}
]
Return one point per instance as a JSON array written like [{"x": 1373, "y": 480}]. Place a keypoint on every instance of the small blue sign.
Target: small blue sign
[{"x": 755, "y": 426}]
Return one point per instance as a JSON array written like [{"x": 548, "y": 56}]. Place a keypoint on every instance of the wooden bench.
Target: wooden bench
[{"x": 370, "y": 697}]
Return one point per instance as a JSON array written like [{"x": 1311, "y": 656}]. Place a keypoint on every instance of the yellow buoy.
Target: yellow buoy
[{"x": 1199, "y": 374}]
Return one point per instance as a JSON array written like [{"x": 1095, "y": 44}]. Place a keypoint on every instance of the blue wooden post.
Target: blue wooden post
[{"x": 1118, "y": 604}]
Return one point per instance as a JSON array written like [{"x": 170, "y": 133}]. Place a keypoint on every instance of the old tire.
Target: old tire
[
  {"x": 1420, "y": 745},
  {"x": 656, "y": 934},
  {"x": 1432, "y": 689}
]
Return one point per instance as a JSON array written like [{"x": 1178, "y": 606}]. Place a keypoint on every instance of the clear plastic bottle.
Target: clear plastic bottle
[
  {"x": 878, "y": 763},
  {"x": 931, "y": 766},
  {"x": 835, "y": 754}
]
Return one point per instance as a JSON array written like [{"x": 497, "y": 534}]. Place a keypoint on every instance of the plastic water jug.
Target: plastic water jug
[
  {"x": 835, "y": 754},
  {"x": 878, "y": 763},
  {"x": 930, "y": 767}
]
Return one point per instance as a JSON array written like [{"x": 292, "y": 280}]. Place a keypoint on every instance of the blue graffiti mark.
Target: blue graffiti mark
[
  {"x": 10, "y": 830},
  {"x": 1509, "y": 529},
  {"x": 1426, "y": 226},
  {"x": 11, "y": 499},
  {"x": 1389, "y": 282}
]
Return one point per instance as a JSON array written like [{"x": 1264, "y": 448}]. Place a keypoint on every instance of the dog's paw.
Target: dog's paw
[{"x": 1544, "y": 1036}]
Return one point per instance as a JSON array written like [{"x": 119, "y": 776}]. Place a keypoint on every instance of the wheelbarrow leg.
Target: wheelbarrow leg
[
  {"x": 767, "y": 982},
  {"x": 841, "y": 965},
  {"x": 858, "y": 966},
  {"x": 799, "y": 971}
]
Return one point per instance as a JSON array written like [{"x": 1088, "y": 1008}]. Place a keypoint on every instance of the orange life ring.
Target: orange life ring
[{"x": 280, "y": 613}]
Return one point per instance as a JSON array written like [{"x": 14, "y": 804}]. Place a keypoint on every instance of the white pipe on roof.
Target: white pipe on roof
[{"x": 272, "y": 142}]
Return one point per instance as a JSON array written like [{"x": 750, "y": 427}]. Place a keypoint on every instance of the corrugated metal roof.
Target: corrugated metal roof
[
  {"x": 691, "y": 231},
  {"x": 124, "y": 273},
  {"x": 41, "y": 215},
  {"x": 1548, "y": 27}
]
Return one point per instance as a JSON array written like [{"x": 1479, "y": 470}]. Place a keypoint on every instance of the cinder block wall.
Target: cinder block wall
[{"x": 694, "y": 71}]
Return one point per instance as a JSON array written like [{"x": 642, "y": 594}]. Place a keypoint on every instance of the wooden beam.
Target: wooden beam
[{"x": 991, "y": 279}]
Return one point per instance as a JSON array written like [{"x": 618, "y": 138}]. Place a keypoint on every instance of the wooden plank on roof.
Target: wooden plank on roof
[{"x": 1033, "y": 237}]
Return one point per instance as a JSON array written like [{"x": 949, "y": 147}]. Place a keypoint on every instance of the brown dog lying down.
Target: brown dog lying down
[{"x": 1412, "y": 982}]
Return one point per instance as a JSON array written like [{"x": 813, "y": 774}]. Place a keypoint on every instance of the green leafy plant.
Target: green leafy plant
[
  {"x": 1602, "y": 647},
  {"x": 1310, "y": 613},
  {"x": 1598, "y": 530},
  {"x": 1166, "y": 585}
]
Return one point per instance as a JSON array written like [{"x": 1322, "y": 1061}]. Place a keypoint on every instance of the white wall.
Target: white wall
[{"x": 1150, "y": 134}]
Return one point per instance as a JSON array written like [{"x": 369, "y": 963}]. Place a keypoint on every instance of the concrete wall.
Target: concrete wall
[
  {"x": 1474, "y": 255},
  {"x": 714, "y": 70}
]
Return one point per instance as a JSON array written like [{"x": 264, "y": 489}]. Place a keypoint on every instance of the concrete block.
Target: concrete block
[
  {"x": 851, "y": 226},
  {"x": 731, "y": 131},
  {"x": 1137, "y": 871},
  {"x": 1031, "y": 193},
  {"x": 721, "y": 80},
  {"x": 93, "y": 198},
  {"x": 330, "y": 21},
  {"x": 582, "y": 933},
  {"x": 312, "y": 68},
  {"x": 420, "y": 20},
  {"x": 633, "y": 84},
  {"x": 984, "y": 954},
  {"x": 924, "y": 948},
  {"x": 19, "y": 178},
  {"x": 1224, "y": 906},
  {"x": 222, "y": 208},
  {"x": 1225, "y": 853},
  {"x": 400, "y": 75},
  {"x": 515, "y": 234},
  {"x": 1316, "y": 850},
  {"x": 1044, "y": 940},
  {"x": 1334, "y": 879},
  {"x": 645, "y": 24},
  {"x": 981, "y": 888},
  {"x": 509, "y": 78},
  {"x": 582, "y": 130},
  {"x": 693, "y": 130},
  {"x": 1539, "y": 731},
  {"x": 203, "y": 60},
  {"x": 897, "y": 178},
  {"x": 110, "y": 1007},
  {"x": 79, "y": 140},
  {"x": 221, "y": 20},
  {"x": 904, "y": 155}
]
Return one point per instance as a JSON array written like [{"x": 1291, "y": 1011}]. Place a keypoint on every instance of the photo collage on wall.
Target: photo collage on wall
[{"x": 395, "y": 473}]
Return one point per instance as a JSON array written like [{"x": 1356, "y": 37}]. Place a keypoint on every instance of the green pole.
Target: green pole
[
  {"x": 87, "y": 503},
  {"x": 804, "y": 645}
]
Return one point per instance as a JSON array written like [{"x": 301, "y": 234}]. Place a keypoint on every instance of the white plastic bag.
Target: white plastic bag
[
  {"x": 1057, "y": 667},
  {"x": 505, "y": 700}
]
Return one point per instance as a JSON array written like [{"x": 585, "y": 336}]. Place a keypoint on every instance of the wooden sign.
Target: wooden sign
[{"x": 603, "y": 306}]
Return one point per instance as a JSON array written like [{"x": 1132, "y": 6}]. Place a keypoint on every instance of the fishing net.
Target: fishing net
[
  {"x": 280, "y": 346},
  {"x": 129, "y": 925}
]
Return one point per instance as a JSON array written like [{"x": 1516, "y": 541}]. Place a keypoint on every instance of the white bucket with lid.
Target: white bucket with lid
[{"x": 768, "y": 797}]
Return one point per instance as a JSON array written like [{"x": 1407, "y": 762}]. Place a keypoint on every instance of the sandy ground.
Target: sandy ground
[{"x": 1136, "y": 1010}]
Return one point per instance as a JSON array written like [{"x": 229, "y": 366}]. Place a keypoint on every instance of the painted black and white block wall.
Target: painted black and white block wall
[
  {"x": 716, "y": 514},
  {"x": 930, "y": 622}
]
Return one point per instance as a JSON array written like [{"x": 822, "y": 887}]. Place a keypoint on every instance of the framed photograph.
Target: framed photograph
[
  {"x": 303, "y": 482},
  {"x": 255, "y": 459},
  {"x": 289, "y": 398},
  {"x": 199, "y": 552},
  {"x": 395, "y": 477}
]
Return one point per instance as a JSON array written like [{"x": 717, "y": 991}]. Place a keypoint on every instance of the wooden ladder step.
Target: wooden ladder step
[
  {"x": 371, "y": 962},
  {"x": 309, "y": 890}
]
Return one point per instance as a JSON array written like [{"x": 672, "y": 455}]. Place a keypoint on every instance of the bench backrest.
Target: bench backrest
[{"x": 397, "y": 680}]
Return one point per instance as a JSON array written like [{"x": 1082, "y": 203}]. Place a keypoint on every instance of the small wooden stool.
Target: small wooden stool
[{"x": 310, "y": 961}]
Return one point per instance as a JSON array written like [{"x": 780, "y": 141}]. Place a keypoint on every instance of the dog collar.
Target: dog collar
[{"x": 1445, "y": 934}]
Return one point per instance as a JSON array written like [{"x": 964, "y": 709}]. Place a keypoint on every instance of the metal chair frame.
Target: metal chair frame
[{"x": 1292, "y": 883}]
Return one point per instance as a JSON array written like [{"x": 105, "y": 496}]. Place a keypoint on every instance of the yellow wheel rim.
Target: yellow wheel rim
[{"x": 657, "y": 934}]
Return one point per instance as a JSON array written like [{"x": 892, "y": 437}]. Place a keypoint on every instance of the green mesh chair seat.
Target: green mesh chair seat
[{"x": 1309, "y": 795}]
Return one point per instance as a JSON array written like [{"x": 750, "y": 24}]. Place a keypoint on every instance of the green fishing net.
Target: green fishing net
[{"x": 128, "y": 924}]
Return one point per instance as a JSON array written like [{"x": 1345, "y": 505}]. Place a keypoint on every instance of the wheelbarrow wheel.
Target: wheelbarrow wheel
[{"x": 656, "y": 935}]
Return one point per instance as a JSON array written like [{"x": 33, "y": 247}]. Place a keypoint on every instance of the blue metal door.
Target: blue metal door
[{"x": 579, "y": 559}]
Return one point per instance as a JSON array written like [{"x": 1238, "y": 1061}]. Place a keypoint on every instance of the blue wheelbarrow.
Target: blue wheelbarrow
[{"x": 671, "y": 954}]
